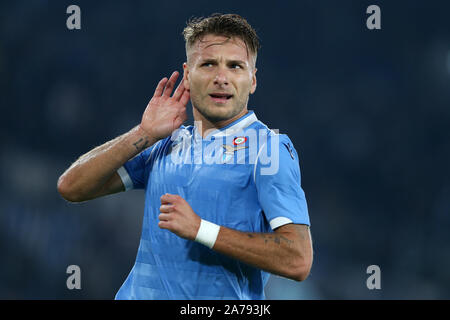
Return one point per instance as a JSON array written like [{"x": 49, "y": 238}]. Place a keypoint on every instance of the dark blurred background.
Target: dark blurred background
[{"x": 367, "y": 110}]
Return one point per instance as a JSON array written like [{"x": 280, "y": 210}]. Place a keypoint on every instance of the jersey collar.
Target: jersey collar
[{"x": 230, "y": 129}]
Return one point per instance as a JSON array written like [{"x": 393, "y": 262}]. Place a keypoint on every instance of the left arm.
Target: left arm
[{"x": 286, "y": 252}]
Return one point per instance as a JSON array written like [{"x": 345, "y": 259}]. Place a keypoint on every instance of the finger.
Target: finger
[
  {"x": 164, "y": 224},
  {"x": 160, "y": 87},
  {"x": 179, "y": 91},
  {"x": 185, "y": 97},
  {"x": 164, "y": 217},
  {"x": 166, "y": 208},
  {"x": 170, "y": 84}
]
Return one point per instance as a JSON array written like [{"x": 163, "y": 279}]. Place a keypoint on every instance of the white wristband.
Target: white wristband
[{"x": 207, "y": 233}]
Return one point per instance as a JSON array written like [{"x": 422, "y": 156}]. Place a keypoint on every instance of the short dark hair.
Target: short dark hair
[{"x": 229, "y": 25}]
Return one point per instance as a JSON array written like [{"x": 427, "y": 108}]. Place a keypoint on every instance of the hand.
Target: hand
[
  {"x": 177, "y": 216},
  {"x": 164, "y": 113}
]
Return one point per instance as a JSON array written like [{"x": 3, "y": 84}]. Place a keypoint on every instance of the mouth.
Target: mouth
[{"x": 220, "y": 97}]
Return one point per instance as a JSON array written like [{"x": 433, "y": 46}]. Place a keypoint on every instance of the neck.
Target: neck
[{"x": 207, "y": 125}]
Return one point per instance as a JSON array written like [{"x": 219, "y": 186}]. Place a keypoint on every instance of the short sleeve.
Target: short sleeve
[
  {"x": 134, "y": 173},
  {"x": 278, "y": 183}
]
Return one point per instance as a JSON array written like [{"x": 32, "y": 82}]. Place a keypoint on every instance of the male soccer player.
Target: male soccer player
[{"x": 224, "y": 206}]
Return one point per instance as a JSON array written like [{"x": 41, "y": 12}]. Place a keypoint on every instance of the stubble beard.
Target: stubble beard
[{"x": 208, "y": 112}]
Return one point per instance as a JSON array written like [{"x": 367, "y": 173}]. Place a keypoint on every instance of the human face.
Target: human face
[{"x": 220, "y": 75}]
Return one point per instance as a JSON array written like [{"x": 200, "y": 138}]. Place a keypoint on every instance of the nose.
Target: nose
[{"x": 221, "y": 78}]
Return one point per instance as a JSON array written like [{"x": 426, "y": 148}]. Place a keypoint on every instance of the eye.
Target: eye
[
  {"x": 236, "y": 66},
  {"x": 207, "y": 64}
]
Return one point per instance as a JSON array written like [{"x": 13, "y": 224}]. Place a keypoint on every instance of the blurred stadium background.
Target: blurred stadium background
[{"x": 368, "y": 112}]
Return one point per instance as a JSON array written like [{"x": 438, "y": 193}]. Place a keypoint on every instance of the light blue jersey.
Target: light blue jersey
[{"x": 243, "y": 176}]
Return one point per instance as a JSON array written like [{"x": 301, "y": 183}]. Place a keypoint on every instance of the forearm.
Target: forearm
[
  {"x": 284, "y": 254},
  {"x": 91, "y": 171}
]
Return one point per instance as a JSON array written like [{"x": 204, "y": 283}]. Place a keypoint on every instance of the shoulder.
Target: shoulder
[{"x": 270, "y": 137}]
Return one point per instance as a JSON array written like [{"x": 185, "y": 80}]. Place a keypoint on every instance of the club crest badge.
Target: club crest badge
[{"x": 239, "y": 140}]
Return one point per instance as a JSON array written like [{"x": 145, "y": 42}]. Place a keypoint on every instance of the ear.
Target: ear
[
  {"x": 186, "y": 75},
  {"x": 253, "y": 89}
]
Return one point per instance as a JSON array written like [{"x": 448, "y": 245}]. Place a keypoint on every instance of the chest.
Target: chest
[
  {"x": 216, "y": 181},
  {"x": 214, "y": 166}
]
